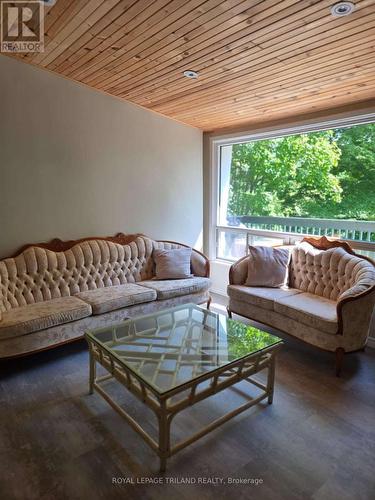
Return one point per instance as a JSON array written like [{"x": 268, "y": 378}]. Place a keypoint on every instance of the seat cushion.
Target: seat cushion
[
  {"x": 41, "y": 315},
  {"x": 167, "y": 289},
  {"x": 309, "y": 309},
  {"x": 107, "y": 299},
  {"x": 260, "y": 296}
]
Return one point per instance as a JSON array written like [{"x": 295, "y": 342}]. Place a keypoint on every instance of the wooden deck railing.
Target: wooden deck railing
[
  {"x": 233, "y": 239},
  {"x": 347, "y": 229}
]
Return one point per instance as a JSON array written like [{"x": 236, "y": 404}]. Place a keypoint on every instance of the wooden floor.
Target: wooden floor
[{"x": 316, "y": 441}]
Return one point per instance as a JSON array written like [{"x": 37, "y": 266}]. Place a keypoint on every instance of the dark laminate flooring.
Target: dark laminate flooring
[{"x": 317, "y": 441}]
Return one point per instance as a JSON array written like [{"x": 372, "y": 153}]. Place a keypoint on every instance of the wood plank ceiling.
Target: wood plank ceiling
[{"x": 257, "y": 60}]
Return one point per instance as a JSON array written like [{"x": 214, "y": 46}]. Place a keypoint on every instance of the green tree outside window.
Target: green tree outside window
[{"x": 328, "y": 174}]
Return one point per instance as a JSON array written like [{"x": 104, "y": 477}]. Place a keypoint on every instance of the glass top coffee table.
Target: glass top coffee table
[{"x": 175, "y": 358}]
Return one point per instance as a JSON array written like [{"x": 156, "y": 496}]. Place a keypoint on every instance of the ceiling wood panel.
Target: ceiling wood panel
[
  {"x": 246, "y": 65},
  {"x": 139, "y": 48},
  {"x": 226, "y": 43},
  {"x": 258, "y": 60},
  {"x": 265, "y": 77}
]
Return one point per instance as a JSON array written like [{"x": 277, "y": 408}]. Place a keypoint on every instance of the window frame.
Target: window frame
[{"x": 215, "y": 144}]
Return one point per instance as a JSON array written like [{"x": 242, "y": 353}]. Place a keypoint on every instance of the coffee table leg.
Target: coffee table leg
[
  {"x": 163, "y": 465},
  {"x": 164, "y": 437},
  {"x": 271, "y": 378},
  {"x": 92, "y": 372}
]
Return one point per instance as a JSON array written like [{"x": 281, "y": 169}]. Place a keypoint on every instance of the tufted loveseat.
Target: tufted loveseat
[
  {"x": 49, "y": 297},
  {"x": 328, "y": 301}
]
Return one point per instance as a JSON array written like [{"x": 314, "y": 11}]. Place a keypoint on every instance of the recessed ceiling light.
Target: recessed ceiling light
[
  {"x": 191, "y": 74},
  {"x": 342, "y": 9}
]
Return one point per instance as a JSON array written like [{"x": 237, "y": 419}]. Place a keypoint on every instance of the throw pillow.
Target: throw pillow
[
  {"x": 172, "y": 264},
  {"x": 268, "y": 266}
]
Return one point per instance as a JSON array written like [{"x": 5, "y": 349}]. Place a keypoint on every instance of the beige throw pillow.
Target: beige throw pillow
[
  {"x": 172, "y": 264},
  {"x": 268, "y": 266}
]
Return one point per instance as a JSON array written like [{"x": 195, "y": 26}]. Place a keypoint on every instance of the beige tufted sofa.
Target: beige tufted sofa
[
  {"x": 48, "y": 298},
  {"x": 328, "y": 302}
]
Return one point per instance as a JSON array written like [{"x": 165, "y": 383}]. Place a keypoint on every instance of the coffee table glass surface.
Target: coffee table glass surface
[{"x": 169, "y": 348}]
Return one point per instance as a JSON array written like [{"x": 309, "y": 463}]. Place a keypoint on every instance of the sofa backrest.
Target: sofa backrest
[
  {"x": 38, "y": 274},
  {"x": 328, "y": 273}
]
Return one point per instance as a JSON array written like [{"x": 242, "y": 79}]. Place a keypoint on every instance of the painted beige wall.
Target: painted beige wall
[{"x": 76, "y": 162}]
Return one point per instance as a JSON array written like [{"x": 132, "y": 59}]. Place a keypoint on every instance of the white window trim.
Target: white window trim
[{"x": 216, "y": 142}]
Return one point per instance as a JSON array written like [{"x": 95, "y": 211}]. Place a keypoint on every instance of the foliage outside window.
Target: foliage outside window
[
  {"x": 317, "y": 183},
  {"x": 328, "y": 174}
]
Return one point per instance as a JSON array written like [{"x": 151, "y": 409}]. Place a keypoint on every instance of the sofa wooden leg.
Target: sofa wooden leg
[
  {"x": 209, "y": 303},
  {"x": 229, "y": 312},
  {"x": 339, "y": 359}
]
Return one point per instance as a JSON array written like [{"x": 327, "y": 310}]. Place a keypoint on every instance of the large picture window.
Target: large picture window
[{"x": 278, "y": 189}]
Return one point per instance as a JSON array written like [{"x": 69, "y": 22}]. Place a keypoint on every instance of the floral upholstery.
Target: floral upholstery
[
  {"x": 260, "y": 296},
  {"x": 68, "y": 332},
  {"x": 335, "y": 299},
  {"x": 292, "y": 327},
  {"x": 309, "y": 309},
  {"x": 167, "y": 289},
  {"x": 330, "y": 273},
  {"x": 110, "y": 298},
  {"x": 41, "y": 289},
  {"x": 34, "y": 317},
  {"x": 37, "y": 274}
]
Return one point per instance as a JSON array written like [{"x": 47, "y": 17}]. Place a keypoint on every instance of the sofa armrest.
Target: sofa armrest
[
  {"x": 356, "y": 290},
  {"x": 200, "y": 265},
  {"x": 238, "y": 271},
  {"x": 354, "y": 312}
]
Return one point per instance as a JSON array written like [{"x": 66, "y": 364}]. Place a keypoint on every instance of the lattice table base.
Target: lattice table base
[{"x": 167, "y": 405}]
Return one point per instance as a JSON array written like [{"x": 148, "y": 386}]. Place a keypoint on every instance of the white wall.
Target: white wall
[
  {"x": 219, "y": 271},
  {"x": 76, "y": 162}
]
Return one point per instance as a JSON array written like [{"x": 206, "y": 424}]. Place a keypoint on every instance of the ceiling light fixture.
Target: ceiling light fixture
[
  {"x": 191, "y": 74},
  {"x": 342, "y": 9}
]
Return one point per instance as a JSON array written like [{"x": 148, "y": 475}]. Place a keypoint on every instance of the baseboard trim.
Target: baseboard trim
[
  {"x": 371, "y": 342},
  {"x": 223, "y": 293}
]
